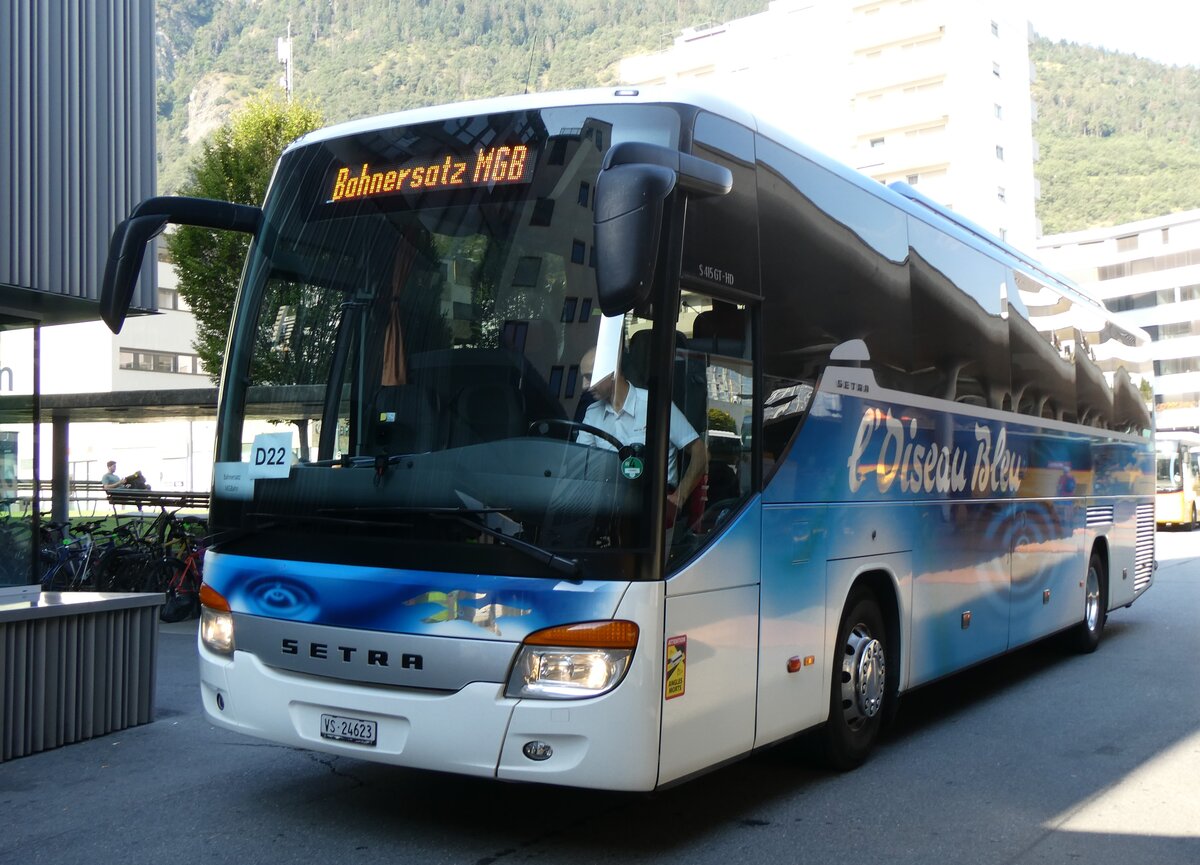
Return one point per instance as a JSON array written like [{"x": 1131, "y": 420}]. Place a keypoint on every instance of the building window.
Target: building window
[
  {"x": 558, "y": 152},
  {"x": 877, "y": 142},
  {"x": 526, "y": 272},
  {"x": 1000, "y": 193},
  {"x": 168, "y": 298},
  {"x": 585, "y": 310},
  {"x": 999, "y": 111},
  {"x": 995, "y": 29},
  {"x": 568, "y": 310},
  {"x": 514, "y": 334},
  {"x": 912, "y": 179},
  {"x": 572, "y": 381},
  {"x": 1166, "y": 236},
  {"x": 555, "y": 383},
  {"x": 1127, "y": 243},
  {"x": 543, "y": 212},
  {"x": 585, "y": 193},
  {"x": 996, "y": 69},
  {"x": 1004, "y": 234},
  {"x": 578, "y": 251},
  {"x": 143, "y": 360},
  {"x": 999, "y": 152}
]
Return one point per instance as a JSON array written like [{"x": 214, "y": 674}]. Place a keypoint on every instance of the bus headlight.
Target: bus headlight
[
  {"x": 571, "y": 662},
  {"x": 216, "y": 622}
]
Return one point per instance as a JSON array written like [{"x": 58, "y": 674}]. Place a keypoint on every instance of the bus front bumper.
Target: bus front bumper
[{"x": 603, "y": 742}]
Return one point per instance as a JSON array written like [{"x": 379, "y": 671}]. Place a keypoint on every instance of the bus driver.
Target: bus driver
[{"x": 620, "y": 409}]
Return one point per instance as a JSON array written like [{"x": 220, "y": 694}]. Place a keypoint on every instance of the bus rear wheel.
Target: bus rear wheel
[
  {"x": 859, "y": 691},
  {"x": 1086, "y": 636}
]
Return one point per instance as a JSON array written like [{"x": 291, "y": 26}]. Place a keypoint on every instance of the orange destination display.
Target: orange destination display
[{"x": 487, "y": 167}]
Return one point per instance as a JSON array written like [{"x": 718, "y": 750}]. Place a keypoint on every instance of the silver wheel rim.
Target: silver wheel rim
[
  {"x": 1092, "y": 600},
  {"x": 863, "y": 676}
]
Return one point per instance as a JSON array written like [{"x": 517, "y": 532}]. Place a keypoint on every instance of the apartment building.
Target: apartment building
[
  {"x": 1150, "y": 271},
  {"x": 934, "y": 93}
]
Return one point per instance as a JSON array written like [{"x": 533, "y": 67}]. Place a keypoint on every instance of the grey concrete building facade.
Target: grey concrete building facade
[
  {"x": 77, "y": 153},
  {"x": 76, "y": 149}
]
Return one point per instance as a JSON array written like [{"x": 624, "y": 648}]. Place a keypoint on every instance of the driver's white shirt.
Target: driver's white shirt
[{"x": 628, "y": 426}]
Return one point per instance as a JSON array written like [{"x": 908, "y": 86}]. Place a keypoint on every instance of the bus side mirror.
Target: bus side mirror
[
  {"x": 628, "y": 219},
  {"x": 128, "y": 245},
  {"x": 632, "y": 188}
]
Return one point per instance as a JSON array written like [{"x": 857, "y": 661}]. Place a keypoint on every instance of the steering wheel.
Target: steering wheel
[{"x": 542, "y": 427}]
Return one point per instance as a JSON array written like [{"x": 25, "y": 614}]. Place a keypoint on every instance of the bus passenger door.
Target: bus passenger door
[{"x": 712, "y": 652}]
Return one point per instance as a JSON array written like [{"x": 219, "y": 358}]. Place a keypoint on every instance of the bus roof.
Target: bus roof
[{"x": 899, "y": 195}]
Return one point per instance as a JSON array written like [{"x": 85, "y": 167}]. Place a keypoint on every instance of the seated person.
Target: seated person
[
  {"x": 111, "y": 480},
  {"x": 620, "y": 409}
]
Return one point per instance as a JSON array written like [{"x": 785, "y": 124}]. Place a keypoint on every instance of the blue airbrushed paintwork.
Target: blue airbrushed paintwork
[
  {"x": 892, "y": 468},
  {"x": 474, "y": 606},
  {"x": 985, "y": 547}
]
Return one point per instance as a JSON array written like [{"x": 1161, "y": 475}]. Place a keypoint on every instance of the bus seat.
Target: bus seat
[
  {"x": 636, "y": 362},
  {"x": 404, "y": 419},
  {"x": 720, "y": 330},
  {"x": 486, "y": 412}
]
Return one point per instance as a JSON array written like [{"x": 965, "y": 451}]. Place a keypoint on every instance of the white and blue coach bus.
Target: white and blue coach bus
[{"x": 920, "y": 449}]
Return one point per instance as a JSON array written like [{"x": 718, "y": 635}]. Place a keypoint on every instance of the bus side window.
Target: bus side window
[{"x": 715, "y": 356}]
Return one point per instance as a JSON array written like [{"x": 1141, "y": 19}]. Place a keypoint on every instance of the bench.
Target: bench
[
  {"x": 80, "y": 493},
  {"x": 156, "y": 499}
]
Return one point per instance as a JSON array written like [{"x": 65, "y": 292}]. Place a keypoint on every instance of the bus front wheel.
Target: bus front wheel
[{"x": 859, "y": 689}]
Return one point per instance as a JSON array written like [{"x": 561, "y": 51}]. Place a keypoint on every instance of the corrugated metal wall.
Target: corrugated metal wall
[
  {"x": 77, "y": 108},
  {"x": 70, "y": 677}
]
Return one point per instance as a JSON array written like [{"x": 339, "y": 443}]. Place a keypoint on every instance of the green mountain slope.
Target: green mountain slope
[
  {"x": 1119, "y": 136},
  {"x": 355, "y": 58}
]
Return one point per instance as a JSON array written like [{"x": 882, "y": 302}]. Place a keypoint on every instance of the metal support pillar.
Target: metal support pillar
[{"x": 60, "y": 470}]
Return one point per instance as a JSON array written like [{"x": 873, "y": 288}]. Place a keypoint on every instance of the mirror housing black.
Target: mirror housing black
[
  {"x": 628, "y": 219},
  {"x": 634, "y": 184},
  {"x": 127, "y": 247}
]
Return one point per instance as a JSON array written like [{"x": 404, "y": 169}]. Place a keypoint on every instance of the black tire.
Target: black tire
[
  {"x": 1085, "y": 637},
  {"x": 861, "y": 685}
]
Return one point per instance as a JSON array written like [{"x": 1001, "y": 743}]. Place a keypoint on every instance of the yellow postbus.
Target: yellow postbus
[{"x": 1177, "y": 485}]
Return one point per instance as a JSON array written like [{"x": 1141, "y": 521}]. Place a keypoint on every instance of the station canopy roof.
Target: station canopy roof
[{"x": 137, "y": 406}]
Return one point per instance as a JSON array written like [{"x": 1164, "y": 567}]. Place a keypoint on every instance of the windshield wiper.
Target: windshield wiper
[
  {"x": 466, "y": 516},
  {"x": 348, "y": 462}
]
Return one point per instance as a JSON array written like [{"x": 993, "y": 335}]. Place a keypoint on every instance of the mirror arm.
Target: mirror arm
[
  {"x": 127, "y": 248},
  {"x": 695, "y": 175}
]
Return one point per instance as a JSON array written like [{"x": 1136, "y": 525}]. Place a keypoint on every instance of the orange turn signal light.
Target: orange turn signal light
[
  {"x": 618, "y": 634},
  {"x": 214, "y": 600}
]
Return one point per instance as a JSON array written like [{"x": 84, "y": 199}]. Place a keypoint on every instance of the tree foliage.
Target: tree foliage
[
  {"x": 235, "y": 165},
  {"x": 1119, "y": 136}
]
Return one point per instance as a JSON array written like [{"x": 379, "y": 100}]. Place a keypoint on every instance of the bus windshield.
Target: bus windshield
[
  {"x": 1169, "y": 477},
  {"x": 405, "y": 357}
]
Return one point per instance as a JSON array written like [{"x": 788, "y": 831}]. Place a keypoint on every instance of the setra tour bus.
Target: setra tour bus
[
  {"x": 600, "y": 438},
  {"x": 1177, "y": 478}
]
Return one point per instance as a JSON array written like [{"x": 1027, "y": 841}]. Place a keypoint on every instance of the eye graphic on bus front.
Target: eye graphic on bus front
[
  {"x": 279, "y": 596},
  {"x": 453, "y": 610}
]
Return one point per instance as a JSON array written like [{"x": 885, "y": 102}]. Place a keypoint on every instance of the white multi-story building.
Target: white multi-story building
[
  {"x": 931, "y": 92},
  {"x": 1150, "y": 271},
  {"x": 151, "y": 353}
]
